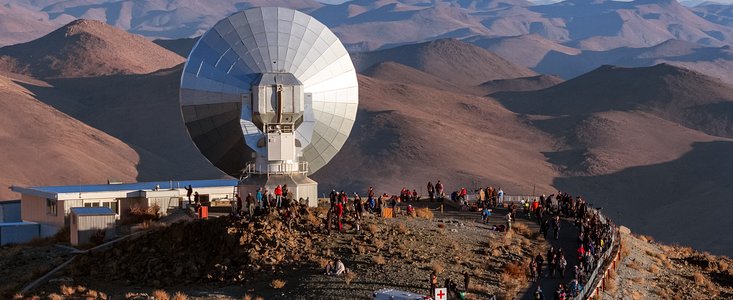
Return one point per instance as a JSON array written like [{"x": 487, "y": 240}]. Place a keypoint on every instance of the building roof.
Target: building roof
[
  {"x": 92, "y": 211},
  {"x": 54, "y": 191},
  {"x": 11, "y": 224}
]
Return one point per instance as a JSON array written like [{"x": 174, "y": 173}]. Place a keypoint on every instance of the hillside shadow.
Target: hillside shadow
[
  {"x": 681, "y": 201},
  {"x": 142, "y": 111}
]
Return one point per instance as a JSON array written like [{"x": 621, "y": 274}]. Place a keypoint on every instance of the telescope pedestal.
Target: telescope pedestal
[{"x": 299, "y": 184}]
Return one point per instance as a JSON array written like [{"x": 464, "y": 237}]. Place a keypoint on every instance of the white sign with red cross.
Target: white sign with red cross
[{"x": 441, "y": 294}]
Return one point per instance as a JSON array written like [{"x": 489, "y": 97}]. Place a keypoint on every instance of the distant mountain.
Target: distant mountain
[
  {"x": 714, "y": 12},
  {"x": 713, "y": 61},
  {"x": 640, "y": 143},
  {"x": 520, "y": 84},
  {"x": 160, "y": 18},
  {"x": 451, "y": 60},
  {"x": 369, "y": 25},
  {"x": 679, "y": 95},
  {"x": 20, "y": 23},
  {"x": 86, "y": 48},
  {"x": 416, "y": 133},
  {"x": 398, "y": 73},
  {"x": 525, "y": 50}
]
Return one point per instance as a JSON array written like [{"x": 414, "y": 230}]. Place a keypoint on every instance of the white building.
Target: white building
[{"x": 50, "y": 206}]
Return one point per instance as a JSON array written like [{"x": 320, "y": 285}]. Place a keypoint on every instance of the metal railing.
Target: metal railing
[
  {"x": 611, "y": 250},
  {"x": 277, "y": 168}
]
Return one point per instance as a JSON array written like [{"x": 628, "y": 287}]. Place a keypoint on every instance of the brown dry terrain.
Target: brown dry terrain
[
  {"x": 87, "y": 48},
  {"x": 419, "y": 134},
  {"x": 454, "y": 61},
  {"x": 612, "y": 133},
  {"x": 650, "y": 270},
  {"x": 40, "y": 145},
  {"x": 270, "y": 259}
]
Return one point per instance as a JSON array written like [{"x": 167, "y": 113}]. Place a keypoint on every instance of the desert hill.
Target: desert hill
[
  {"x": 451, "y": 60},
  {"x": 20, "y": 24},
  {"x": 419, "y": 134},
  {"x": 395, "y": 72},
  {"x": 689, "y": 98},
  {"x": 370, "y": 25},
  {"x": 143, "y": 111},
  {"x": 524, "y": 50},
  {"x": 520, "y": 84},
  {"x": 40, "y": 145},
  {"x": 715, "y": 12},
  {"x": 681, "y": 201},
  {"x": 167, "y": 19},
  {"x": 642, "y": 143},
  {"x": 86, "y": 48},
  {"x": 713, "y": 61},
  {"x": 91, "y": 69}
]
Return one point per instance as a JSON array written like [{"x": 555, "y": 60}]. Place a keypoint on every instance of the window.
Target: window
[
  {"x": 112, "y": 205},
  {"x": 51, "y": 207}
]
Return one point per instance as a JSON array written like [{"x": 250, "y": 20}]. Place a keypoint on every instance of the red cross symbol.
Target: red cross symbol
[{"x": 440, "y": 294}]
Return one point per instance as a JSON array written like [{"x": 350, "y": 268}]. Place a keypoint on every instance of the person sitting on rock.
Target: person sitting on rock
[
  {"x": 340, "y": 268},
  {"x": 329, "y": 268}
]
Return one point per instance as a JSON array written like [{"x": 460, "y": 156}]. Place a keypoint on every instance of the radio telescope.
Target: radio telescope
[{"x": 269, "y": 95}]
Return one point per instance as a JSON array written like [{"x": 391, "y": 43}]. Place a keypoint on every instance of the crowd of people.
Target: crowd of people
[
  {"x": 593, "y": 237},
  {"x": 548, "y": 211}
]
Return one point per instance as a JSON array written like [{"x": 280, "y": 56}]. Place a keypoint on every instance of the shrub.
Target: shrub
[
  {"x": 654, "y": 269},
  {"x": 180, "y": 296},
  {"x": 636, "y": 295},
  {"x": 699, "y": 278},
  {"x": 161, "y": 295},
  {"x": 349, "y": 277},
  {"x": 401, "y": 228},
  {"x": 379, "y": 260},
  {"x": 661, "y": 293},
  {"x": 437, "y": 267},
  {"x": 424, "y": 213},
  {"x": 522, "y": 230},
  {"x": 54, "y": 296},
  {"x": 634, "y": 265},
  {"x": 278, "y": 283},
  {"x": 722, "y": 266},
  {"x": 378, "y": 243},
  {"x": 67, "y": 290},
  {"x": 611, "y": 286}
]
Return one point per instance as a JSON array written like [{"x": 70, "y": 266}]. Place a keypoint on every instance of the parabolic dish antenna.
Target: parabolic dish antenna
[{"x": 269, "y": 91}]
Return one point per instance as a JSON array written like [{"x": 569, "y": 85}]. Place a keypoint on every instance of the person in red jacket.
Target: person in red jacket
[
  {"x": 340, "y": 211},
  {"x": 278, "y": 196}
]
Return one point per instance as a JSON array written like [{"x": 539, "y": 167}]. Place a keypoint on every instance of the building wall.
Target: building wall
[
  {"x": 18, "y": 233},
  {"x": 33, "y": 209},
  {"x": 85, "y": 227},
  {"x": 165, "y": 203},
  {"x": 10, "y": 211}
]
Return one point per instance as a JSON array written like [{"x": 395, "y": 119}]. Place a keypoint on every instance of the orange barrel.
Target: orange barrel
[{"x": 203, "y": 212}]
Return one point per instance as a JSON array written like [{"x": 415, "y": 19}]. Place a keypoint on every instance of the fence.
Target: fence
[{"x": 597, "y": 279}]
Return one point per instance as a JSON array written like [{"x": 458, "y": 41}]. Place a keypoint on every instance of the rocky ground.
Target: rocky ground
[
  {"x": 224, "y": 258},
  {"x": 230, "y": 259},
  {"x": 22, "y": 264},
  {"x": 649, "y": 270}
]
